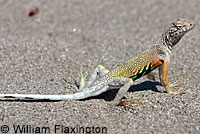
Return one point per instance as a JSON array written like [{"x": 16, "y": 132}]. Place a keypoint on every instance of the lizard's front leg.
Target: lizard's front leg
[
  {"x": 163, "y": 72},
  {"x": 98, "y": 72}
]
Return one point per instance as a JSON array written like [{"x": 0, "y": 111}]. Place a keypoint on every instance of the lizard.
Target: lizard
[{"x": 101, "y": 80}]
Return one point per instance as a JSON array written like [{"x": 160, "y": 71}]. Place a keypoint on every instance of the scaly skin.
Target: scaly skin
[{"x": 123, "y": 76}]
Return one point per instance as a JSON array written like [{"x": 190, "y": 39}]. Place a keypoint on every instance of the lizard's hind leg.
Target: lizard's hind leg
[
  {"x": 127, "y": 83},
  {"x": 98, "y": 72}
]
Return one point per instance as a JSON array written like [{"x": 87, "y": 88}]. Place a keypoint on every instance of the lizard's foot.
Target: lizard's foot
[
  {"x": 83, "y": 78},
  {"x": 128, "y": 102},
  {"x": 69, "y": 84},
  {"x": 177, "y": 83},
  {"x": 178, "y": 92}
]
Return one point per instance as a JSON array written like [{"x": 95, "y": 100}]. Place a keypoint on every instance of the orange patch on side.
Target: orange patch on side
[
  {"x": 165, "y": 72},
  {"x": 156, "y": 64}
]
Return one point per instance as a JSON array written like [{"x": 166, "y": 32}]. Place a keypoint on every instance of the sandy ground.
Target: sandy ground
[{"x": 38, "y": 53}]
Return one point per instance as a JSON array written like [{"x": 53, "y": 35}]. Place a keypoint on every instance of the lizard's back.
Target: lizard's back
[{"x": 139, "y": 65}]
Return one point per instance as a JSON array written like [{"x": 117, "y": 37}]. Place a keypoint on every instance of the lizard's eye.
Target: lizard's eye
[{"x": 178, "y": 26}]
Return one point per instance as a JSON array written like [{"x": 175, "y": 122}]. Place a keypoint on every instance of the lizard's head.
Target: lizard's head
[{"x": 176, "y": 31}]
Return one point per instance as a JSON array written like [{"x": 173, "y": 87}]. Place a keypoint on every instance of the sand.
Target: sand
[{"x": 43, "y": 54}]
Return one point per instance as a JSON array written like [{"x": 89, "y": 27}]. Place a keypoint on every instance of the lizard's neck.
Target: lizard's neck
[
  {"x": 165, "y": 43},
  {"x": 169, "y": 40}
]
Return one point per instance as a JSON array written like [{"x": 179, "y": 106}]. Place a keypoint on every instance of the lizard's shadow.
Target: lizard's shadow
[{"x": 110, "y": 95}]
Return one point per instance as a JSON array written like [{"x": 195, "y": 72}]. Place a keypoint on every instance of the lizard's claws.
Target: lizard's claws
[
  {"x": 83, "y": 78},
  {"x": 177, "y": 83}
]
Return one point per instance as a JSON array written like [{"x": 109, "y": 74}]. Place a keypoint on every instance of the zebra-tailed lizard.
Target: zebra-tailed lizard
[{"x": 123, "y": 76}]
